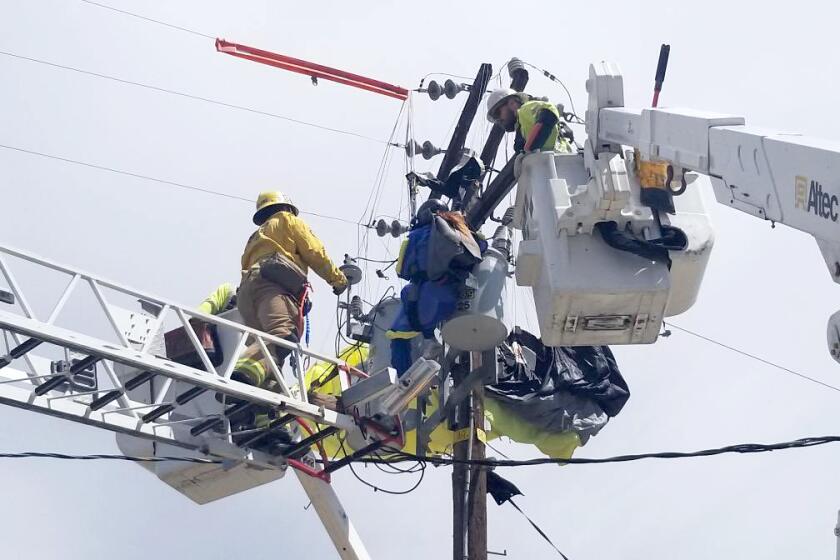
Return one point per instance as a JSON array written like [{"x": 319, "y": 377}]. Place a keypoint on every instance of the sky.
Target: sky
[{"x": 766, "y": 290}]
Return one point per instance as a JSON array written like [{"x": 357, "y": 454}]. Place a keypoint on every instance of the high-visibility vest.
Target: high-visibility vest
[{"x": 526, "y": 119}]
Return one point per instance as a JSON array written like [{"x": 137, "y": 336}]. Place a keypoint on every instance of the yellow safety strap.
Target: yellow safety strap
[
  {"x": 391, "y": 335},
  {"x": 464, "y": 435}
]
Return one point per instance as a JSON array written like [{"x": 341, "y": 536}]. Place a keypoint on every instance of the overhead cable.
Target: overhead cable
[
  {"x": 400, "y": 456},
  {"x": 101, "y": 456},
  {"x": 193, "y": 97},
  {"x": 557, "y": 80},
  {"x": 145, "y": 18},
  {"x": 753, "y": 356},
  {"x": 157, "y": 180}
]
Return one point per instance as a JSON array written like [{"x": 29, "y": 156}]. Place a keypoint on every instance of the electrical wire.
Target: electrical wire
[
  {"x": 741, "y": 448},
  {"x": 190, "y": 96},
  {"x": 145, "y": 18},
  {"x": 752, "y": 356},
  {"x": 99, "y": 456},
  {"x": 157, "y": 180},
  {"x": 390, "y": 261},
  {"x": 384, "y": 490},
  {"x": 399, "y": 456},
  {"x": 557, "y": 80},
  {"x": 363, "y": 248}
]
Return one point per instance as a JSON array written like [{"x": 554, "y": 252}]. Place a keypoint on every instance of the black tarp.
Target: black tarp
[{"x": 565, "y": 388}]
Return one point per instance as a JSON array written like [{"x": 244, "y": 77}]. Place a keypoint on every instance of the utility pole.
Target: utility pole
[
  {"x": 469, "y": 483},
  {"x": 459, "y": 136}
]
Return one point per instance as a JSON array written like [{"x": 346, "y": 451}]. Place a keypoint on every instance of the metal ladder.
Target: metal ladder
[{"x": 118, "y": 381}]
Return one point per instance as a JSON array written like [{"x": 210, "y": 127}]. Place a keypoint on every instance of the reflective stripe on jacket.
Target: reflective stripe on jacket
[
  {"x": 218, "y": 300},
  {"x": 527, "y": 117},
  {"x": 290, "y": 236}
]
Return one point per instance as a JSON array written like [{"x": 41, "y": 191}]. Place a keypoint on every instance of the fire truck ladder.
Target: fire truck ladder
[{"x": 114, "y": 375}]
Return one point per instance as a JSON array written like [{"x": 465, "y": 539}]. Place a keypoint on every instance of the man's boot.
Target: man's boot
[{"x": 241, "y": 377}]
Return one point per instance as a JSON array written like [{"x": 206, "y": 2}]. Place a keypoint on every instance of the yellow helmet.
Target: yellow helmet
[{"x": 270, "y": 202}]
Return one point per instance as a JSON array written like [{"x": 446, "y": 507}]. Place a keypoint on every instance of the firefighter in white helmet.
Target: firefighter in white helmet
[{"x": 537, "y": 123}]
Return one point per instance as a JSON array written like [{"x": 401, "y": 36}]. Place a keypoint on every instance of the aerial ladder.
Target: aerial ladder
[{"x": 120, "y": 379}]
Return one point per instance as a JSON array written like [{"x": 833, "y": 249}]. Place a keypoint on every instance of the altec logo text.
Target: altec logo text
[{"x": 811, "y": 198}]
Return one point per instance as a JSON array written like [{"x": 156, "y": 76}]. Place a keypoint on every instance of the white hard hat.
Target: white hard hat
[{"x": 498, "y": 97}]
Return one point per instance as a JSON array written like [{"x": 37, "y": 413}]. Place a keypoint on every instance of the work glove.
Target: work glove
[
  {"x": 517, "y": 164},
  {"x": 338, "y": 290}
]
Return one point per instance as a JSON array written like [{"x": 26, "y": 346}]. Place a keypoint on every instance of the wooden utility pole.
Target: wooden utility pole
[{"x": 469, "y": 483}]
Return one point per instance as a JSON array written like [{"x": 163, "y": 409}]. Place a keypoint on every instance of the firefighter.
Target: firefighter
[
  {"x": 538, "y": 124},
  {"x": 222, "y": 299},
  {"x": 273, "y": 295}
]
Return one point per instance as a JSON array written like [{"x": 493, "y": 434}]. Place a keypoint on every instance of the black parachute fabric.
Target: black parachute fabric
[{"x": 566, "y": 388}]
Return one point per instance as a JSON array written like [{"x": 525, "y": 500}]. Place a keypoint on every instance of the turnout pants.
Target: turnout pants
[{"x": 265, "y": 306}]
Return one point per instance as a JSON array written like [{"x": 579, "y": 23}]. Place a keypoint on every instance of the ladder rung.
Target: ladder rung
[
  {"x": 157, "y": 413},
  {"x": 274, "y": 426},
  {"x": 138, "y": 380},
  {"x": 306, "y": 443},
  {"x": 183, "y": 398},
  {"x": 189, "y": 395},
  {"x": 50, "y": 384},
  {"x": 211, "y": 423},
  {"x": 108, "y": 397},
  {"x": 131, "y": 384},
  {"x": 208, "y": 424},
  {"x": 83, "y": 364},
  {"x": 24, "y": 347}
]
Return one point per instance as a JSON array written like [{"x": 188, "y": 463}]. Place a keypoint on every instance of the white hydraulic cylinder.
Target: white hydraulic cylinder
[
  {"x": 785, "y": 178},
  {"x": 781, "y": 177}
]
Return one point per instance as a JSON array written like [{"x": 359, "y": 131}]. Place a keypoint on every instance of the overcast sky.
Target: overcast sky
[{"x": 766, "y": 290}]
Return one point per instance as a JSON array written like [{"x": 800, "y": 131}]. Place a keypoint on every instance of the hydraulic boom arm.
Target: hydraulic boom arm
[{"x": 784, "y": 178}]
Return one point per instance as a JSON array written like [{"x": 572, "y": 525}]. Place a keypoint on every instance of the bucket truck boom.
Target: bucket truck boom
[{"x": 586, "y": 291}]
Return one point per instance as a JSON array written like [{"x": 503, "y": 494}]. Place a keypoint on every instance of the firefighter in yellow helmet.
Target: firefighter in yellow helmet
[
  {"x": 274, "y": 284},
  {"x": 538, "y": 124}
]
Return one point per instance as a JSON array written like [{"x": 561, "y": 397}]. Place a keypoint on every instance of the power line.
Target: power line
[
  {"x": 157, "y": 180},
  {"x": 145, "y": 18},
  {"x": 555, "y": 79},
  {"x": 190, "y": 96},
  {"x": 754, "y": 357},
  {"x": 400, "y": 456},
  {"x": 98, "y": 457}
]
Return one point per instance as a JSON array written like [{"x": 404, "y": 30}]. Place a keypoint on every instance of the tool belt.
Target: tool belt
[{"x": 282, "y": 271}]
